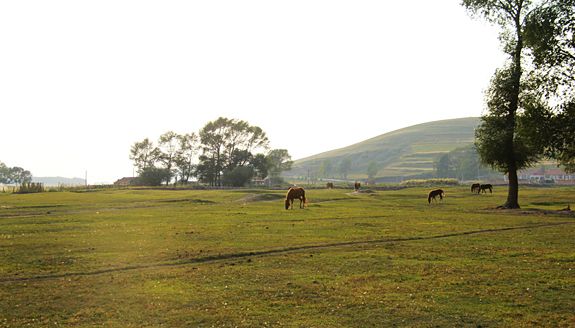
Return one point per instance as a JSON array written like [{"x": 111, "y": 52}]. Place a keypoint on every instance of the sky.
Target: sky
[{"x": 81, "y": 81}]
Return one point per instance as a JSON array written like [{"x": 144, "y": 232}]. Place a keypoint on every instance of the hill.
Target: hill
[{"x": 403, "y": 153}]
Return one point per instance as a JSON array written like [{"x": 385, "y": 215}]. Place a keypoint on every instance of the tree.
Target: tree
[
  {"x": 549, "y": 34},
  {"x": 168, "y": 151},
  {"x": 562, "y": 137},
  {"x": 344, "y": 167},
  {"x": 444, "y": 167},
  {"x": 228, "y": 143},
  {"x": 497, "y": 140},
  {"x": 184, "y": 161},
  {"x": 144, "y": 154},
  {"x": 19, "y": 176},
  {"x": 279, "y": 160},
  {"x": 325, "y": 168},
  {"x": 372, "y": 170},
  {"x": 4, "y": 176},
  {"x": 261, "y": 166}
]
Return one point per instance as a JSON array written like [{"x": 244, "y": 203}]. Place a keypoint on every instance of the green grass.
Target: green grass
[{"x": 149, "y": 258}]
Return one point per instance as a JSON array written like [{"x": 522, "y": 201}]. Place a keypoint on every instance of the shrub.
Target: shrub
[{"x": 430, "y": 182}]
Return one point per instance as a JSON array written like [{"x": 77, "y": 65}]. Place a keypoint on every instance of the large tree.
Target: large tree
[
  {"x": 497, "y": 138},
  {"x": 144, "y": 154},
  {"x": 227, "y": 144}
]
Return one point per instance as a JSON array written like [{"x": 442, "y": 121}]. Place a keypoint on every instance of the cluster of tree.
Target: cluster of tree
[
  {"x": 342, "y": 168},
  {"x": 531, "y": 99},
  {"x": 462, "y": 164},
  {"x": 225, "y": 152},
  {"x": 14, "y": 175}
]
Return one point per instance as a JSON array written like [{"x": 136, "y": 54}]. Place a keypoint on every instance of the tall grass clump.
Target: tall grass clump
[{"x": 30, "y": 187}]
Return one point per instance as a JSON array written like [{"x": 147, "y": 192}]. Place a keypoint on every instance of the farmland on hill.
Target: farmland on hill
[
  {"x": 193, "y": 258},
  {"x": 401, "y": 153}
]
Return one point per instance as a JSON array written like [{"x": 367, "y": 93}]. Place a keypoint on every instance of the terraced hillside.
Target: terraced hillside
[{"x": 406, "y": 152}]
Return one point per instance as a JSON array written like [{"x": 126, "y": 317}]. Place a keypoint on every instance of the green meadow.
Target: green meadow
[{"x": 237, "y": 258}]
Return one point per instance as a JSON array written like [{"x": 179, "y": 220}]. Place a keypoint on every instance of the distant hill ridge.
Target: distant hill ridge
[{"x": 406, "y": 152}]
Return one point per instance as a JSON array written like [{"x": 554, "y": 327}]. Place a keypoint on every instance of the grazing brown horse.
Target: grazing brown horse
[
  {"x": 295, "y": 193},
  {"x": 356, "y": 186},
  {"x": 435, "y": 193},
  {"x": 329, "y": 185},
  {"x": 484, "y": 187},
  {"x": 475, "y": 187}
]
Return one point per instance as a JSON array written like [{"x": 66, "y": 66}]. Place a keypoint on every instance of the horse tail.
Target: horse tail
[{"x": 429, "y": 199}]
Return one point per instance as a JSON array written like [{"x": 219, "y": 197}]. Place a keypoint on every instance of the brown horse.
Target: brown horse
[
  {"x": 356, "y": 186},
  {"x": 475, "y": 187},
  {"x": 329, "y": 185},
  {"x": 435, "y": 193},
  {"x": 295, "y": 193},
  {"x": 484, "y": 187}
]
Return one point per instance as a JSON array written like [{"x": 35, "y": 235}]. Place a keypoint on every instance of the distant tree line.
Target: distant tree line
[
  {"x": 225, "y": 152},
  {"x": 462, "y": 164},
  {"x": 14, "y": 175}
]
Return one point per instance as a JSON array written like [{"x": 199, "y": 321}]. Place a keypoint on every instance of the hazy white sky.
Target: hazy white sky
[{"x": 81, "y": 81}]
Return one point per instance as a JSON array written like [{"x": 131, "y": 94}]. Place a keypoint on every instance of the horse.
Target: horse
[
  {"x": 475, "y": 187},
  {"x": 329, "y": 185},
  {"x": 356, "y": 186},
  {"x": 435, "y": 193},
  {"x": 484, "y": 187},
  {"x": 295, "y": 193}
]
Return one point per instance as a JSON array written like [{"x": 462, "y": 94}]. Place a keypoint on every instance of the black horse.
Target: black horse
[
  {"x": 484, "y": 187},
  {"x": 435, "y": 193},
  {"x": 475, "y": 187}
]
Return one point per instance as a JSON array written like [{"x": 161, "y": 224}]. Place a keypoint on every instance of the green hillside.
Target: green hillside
[{"x": 406, "y": 152}]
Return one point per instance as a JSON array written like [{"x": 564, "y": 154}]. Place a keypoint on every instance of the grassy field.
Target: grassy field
[{"x": 151, "y": 258}]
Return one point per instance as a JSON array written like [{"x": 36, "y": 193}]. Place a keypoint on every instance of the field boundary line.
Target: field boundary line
[{"x": 240, "y": 255}]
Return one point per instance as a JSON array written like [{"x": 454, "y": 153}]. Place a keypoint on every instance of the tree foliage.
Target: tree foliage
[
  {"x": 228, "y": 143},
  {"x": 14, "y": 175}
]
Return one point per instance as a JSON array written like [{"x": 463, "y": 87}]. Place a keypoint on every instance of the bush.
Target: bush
[
  {"x": 430, "y": 182},
  {"x": 153, "y": 176}
]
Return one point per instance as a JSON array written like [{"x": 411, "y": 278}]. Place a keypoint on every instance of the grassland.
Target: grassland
[{"x": 151, "y": 258}]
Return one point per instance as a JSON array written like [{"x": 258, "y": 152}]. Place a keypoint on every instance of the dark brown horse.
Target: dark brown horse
[
  {"x": 484, "y": 187},
  {"x": 435, "y": 193},
  {"x": 356, "y": 186},
  {"x": 475, "y": 187},
  {"x": 295, "y": 193},
  {"x": 329, "y": 185}
]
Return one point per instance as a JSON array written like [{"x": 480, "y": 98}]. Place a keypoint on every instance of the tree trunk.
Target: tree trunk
[{"x": 513, "y": 190}]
